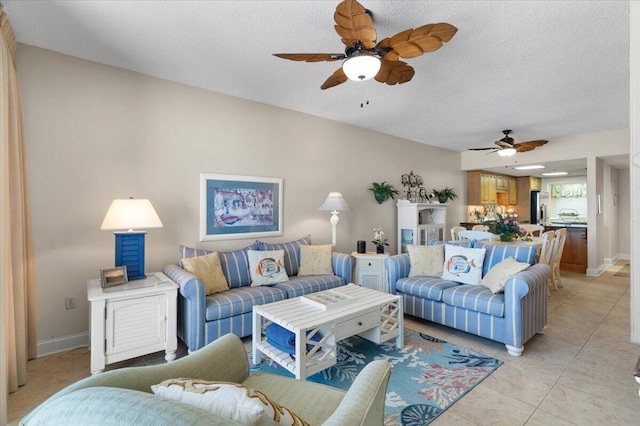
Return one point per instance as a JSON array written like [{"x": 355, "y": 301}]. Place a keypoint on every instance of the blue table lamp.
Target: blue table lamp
[{"x": 131, "y": 214}]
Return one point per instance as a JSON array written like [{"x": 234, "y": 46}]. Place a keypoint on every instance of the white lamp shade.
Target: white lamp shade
[
  {"x": 131, "y": 214},
  {"x": 507, "y": 152},
  {"x": 335, "y": 202},
  {"x": 362, "y": 67}
]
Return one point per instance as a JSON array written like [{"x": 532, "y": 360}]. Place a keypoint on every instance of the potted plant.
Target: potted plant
[
  {"x": 378, "y": 240},
  {"x": 445, "y": 194},
  {"x": 382, "y": 191}
]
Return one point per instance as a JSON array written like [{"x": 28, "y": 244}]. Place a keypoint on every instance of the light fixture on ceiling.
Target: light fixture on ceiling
[
  {"x": 507, "y": 152},
  {"x": 533, "y": 167},
  {"x": 555, "y": 174},
  {"x": 361, "y": 67}
]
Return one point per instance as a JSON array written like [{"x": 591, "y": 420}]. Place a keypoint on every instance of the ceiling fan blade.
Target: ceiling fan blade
[
  {"x": 529, "y": 146},
  {"x": 412, "y": 43},
  {"x": 482, "y": 149},
  {"x": 503, "y": 144},
  {"x": 394, "y": 72},
  {"x": 311, "y": 57},
  {"x": 336, "y": 78},
  {"x": 353, "y": 24}
]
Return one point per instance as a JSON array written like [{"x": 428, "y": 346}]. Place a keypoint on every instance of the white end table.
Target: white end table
[
  {"x": 370, "y": 271},
  {"x": 132, "y": 319}
]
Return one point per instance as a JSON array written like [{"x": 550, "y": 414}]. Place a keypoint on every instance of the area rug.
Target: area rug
[
  {"x": 428, "y": 375},
  {"x": 625, "y": 271}
]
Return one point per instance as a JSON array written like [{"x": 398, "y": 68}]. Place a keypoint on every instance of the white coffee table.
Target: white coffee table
[{"x": 371, "y": 314}]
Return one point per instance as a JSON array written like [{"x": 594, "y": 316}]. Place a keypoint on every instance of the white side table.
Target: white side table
[
  {"x": 370, "y": 271},
  {"x": 133, "y": 319}
]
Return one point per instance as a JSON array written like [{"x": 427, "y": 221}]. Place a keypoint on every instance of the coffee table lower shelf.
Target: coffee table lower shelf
[{"x": 321, "y": 360}]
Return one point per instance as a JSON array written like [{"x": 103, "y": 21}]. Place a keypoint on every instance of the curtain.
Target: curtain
[{"x": 17, "y": 272}]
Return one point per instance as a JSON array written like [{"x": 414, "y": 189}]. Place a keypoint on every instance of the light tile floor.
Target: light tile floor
[{"x": 578, "y": 373}]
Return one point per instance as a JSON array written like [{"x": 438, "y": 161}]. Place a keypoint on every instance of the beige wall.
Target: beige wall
[
  {"x": 95, "y": 133},
  {"x": 635, "y": 167}
]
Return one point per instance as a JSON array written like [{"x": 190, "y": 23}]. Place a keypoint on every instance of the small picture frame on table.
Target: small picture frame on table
[{"x": 113, "y": 276}]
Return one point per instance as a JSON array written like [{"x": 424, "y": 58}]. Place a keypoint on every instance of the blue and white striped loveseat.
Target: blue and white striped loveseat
[
  {"x": 512, "y": 317},
  {"x": 202, "y": 319}
]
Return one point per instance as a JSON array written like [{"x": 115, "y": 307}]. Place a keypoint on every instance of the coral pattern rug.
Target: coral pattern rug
[{"x": 428, "y": 376}]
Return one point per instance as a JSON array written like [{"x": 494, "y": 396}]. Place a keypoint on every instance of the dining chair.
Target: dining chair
[
  {"x": 479, "y": 228},
  {"x": 560, "y": 237},
  {"x": 546, "y": 252},
  {"x": 455, "y": 230},
  {"x": 532, "y": 230},
  {"x": 475, "y": 235}
]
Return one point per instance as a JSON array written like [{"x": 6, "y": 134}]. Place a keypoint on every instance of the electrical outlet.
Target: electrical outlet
[{"x": 70, "y": 302}]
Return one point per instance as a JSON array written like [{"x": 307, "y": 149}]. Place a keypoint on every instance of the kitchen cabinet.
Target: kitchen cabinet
[
  {"x": 481, "y": 188},
  {"x": 574, "y": 255},
  {"x": 502, "y": 183},
  {"x": 513, "y": 191}
]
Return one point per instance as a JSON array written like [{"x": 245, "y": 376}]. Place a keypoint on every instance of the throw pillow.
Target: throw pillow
[
  {"x": 267, "y": 267},
  {"x": 208, "y": 269},
  {"x": 315, "y": 260},
  {"x": 237, "y": 403},
  {"x": 426, "y": 260},
  {"x": 291, "y": 253},
  {"x": 463, "y": 264},
  {"x": 497, "y": 276}
]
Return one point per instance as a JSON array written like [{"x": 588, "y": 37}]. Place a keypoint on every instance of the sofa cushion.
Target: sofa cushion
[
  {"x": 315, "y": 260},
  {"x": 298, "y": 286},
  {"x": 240, "y": 404},
  {"x": 266, "y": 267},
  {"x": 209, "y": 270},
  {"x": 426, "y": 260},
  {"x": 463, "y": 264},
  {"x": 235, "y": 264},
  {"x": 426, "y": 287},
  {"x": 497, "y": 276},
  {"x": 241, "y": 300},
  {"x": 433, "y": 242},
  {"x": 475, "y": 298},
  {"x": 291, "y": 253},
  {"x": 497, "y": 253}
]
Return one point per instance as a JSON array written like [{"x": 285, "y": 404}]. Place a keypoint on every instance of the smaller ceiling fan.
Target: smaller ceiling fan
[{"x": 507, "y": 147}]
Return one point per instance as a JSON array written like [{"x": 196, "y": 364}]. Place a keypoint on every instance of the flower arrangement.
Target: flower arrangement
[
  {"x": 378, "y": 240},
  {"x": 506, "y": 227}
]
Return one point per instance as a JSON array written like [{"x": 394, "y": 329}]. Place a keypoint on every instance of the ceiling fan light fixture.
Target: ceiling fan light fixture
[
  {"x": 507, "y": 152},
  {"x": 361, "y": 67}
]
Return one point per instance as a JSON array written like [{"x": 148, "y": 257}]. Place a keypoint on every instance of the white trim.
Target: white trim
[
  {"x": 591, "y": 272},
  {"x": 64, "y": 343}
]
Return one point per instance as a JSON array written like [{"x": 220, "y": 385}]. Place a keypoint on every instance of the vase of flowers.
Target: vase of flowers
[
  {"x": 506, "y": 227},
  {"x": 378, "y": 240}
]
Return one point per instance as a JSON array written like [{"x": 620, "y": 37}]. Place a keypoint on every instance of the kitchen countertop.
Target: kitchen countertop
[{"x": 566, "y": 225}]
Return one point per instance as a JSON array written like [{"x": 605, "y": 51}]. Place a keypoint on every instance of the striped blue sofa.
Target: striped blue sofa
[
  {"x": 202, "y": 319},
  {"x": 512, "y": 317}
]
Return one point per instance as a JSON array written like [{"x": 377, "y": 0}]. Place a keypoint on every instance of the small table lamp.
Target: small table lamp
[
  {"x": 335, "y": 203},
  {"x": 129, "y": 214}
]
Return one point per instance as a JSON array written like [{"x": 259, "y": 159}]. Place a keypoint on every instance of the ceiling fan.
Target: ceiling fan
[
  {"x": 364, "y": 58},
  {"x": 507, "y": 147}
]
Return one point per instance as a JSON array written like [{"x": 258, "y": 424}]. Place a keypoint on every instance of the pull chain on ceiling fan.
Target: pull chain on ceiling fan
[{"x": 365, "y": 58}]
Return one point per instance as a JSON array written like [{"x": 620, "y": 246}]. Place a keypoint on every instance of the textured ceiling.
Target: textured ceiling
[{"x": 546, "y": 69}]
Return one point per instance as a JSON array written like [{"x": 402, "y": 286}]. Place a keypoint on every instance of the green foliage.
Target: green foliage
[
  {"x": 445, "y": 194},
  {"x": 382, "y": 191}
]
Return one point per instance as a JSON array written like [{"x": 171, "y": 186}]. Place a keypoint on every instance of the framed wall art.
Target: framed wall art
[{"x": 233, "y": 207}]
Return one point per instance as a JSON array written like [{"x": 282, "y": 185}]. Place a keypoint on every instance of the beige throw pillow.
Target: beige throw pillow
[
  {"x": 209, "y": 270},
  {"x": 426, "y": 260},
  {"x": 315, "y": 260},
  {"x": 497, "y": 276},
  {"x": 237, "y": 403}
]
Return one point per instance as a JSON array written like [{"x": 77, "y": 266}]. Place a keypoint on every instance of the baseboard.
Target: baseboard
[
  {"x": 591, "y": 272},
  {"x": 64, "y": 343},
  {"x": 624, "y": 256},
  {"x": 614, "y": 259}
]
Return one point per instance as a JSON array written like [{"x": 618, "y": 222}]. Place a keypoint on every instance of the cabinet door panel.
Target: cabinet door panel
[{"x": 135, "y": 323}]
